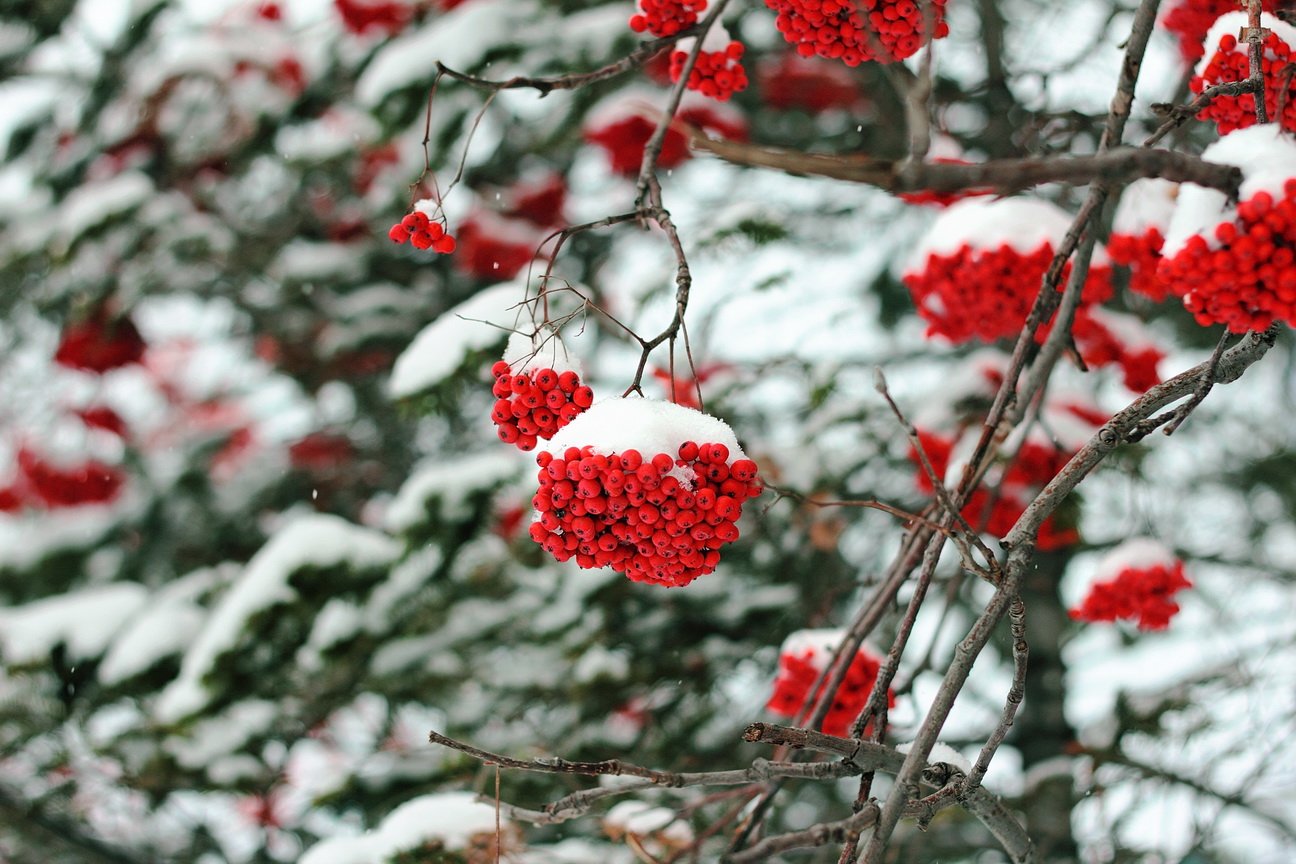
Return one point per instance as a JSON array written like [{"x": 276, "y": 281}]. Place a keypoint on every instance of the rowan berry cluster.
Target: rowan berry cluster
[
  {"x": 854, "y": 32},
  {"x": 1100, "y": 344},
  {"x": 1141, "y": 253},
  {"x": 716, "y": 74},
  {"x": 421, "y": 232},
  {"x": 1231, "y": 62},
  {"x": 808, "y": 83},
  {"x": 623, "y": 135},
  {"x": 1191, "y": 19},
  {"x": 1142, "y": 594},
  {"x": 801, "y": 667},
  {"x": 100, "y": 343},
  {"x": 388, "y": 17},
  {"x": 986, "y": 294},
  {"x": 41, "y": 484},
  {"x": 656, "y": 518},
  {"x": 535, "y": 403},
  {"x": 666, "y": 17},
  {"x": 1246, "y": 279}
]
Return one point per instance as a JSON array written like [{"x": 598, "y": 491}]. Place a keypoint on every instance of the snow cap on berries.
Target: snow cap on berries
[
  {"x": 1137, "y": 580},
  {"x": 803, "y": 657},
  {"x": 1227, "y": 59},
  {"x": 1138, "y": 233},
  {"x": 651, "y": 489},
  {"x": 1146, "y": 203},
  {"x": 1024, "y": 224},
  {"x": 1191, "y": 19},
  {"x": 650, "y": 426},
  {"x": 977, "y": 270},
  {"x": 1267, "y": 158}
]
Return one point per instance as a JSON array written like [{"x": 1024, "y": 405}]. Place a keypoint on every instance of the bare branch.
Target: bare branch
[{"x": 1007, "y": 176}]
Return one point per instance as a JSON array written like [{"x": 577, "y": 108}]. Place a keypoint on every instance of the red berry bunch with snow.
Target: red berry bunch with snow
[
  {"x": 1191, "y": 19},
  {"x": 422, "y": 229},
  {"x": 651, "y": 489},
  {"x": 1138, "y": 233},
  {"x": 100, "y": 343},
  {"x": 1229, "y": 60},
  {"x": 622, "y": 128},
  {"x": 977, "y": 270},
  {"x": 803, "y": 658},
  {"x": 809, "y": 83},
  {"x": 1106, "y": 338},
  {"x": 42, "y": 483},
  {"x": 666, "y": 17},
  {"x": 718, "y": 72},
  {"x": 856, "y": 31},
  {"x": 538, "y": 390},
  {"x": 387, "y": 17},
  {"x": 1135, "y": 581},
  {"x": 1236, "y": 264}
]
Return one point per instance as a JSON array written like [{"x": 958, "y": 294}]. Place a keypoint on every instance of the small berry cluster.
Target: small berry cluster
[
  {"x": 664, "y": 18},
  {"x": 387, "y": 17},
  {"x": 1101, "y": 344},
  {"x": 808, "y": 83},
  {"x": 624, "y": 138},
  {"x": 1247, "y": 278},
  {"x": 1231, "y": 62},
  {"x": 1191, "y": 19},
  {"x": 1141, "y": 253},
  {"x": 100, "y": 343},
  {"x": 716, "y": 74},
  {"x": 535, "y": 403},
  {"x": 888, "y": 31},
  {"x": 986, "y": 294},
  {"x": 41, "y": 484},
  {"x": 422, "y": 233},
  {"x": 1144, "y": 594},
  {"x": 801, "y": 667},
  {"x": 655, "y": 518}
]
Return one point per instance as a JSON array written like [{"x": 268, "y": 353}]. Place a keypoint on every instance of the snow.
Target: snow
[
  {"x": 451, "y": 819},
  {"x": 85, "y": 621},
  {"x": 307, "y": 261},
  {"x": 1137, "y": 553},
  {"x": 338, "y": 620},
  {"x": 650, "y": 426},
  {"x": 941, "y": 752},
  {"x": 452, "y": 483},
  {"x": 1146, "y": 203},
  {"x": 90, "y": 204},
  {"x": 476, "y": 324},
  {"x": 1024, "y": 224},
  {"x": 644, "y": 820},
  {"x": 1267, "y": 157},
  {"x": 335, "y": 135},
  {"x": 1232, "y": 23},
  {"x": 161, "y": 629},
  {"x": 318, "y": 540},
  {"x": 821, "y": 644},
  {"x": 222, "y": 734},
  {"x": 459, "y": 38}
]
